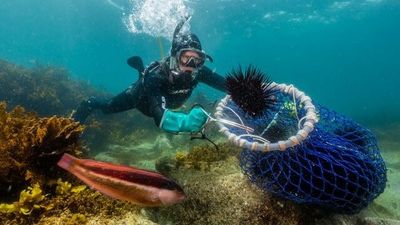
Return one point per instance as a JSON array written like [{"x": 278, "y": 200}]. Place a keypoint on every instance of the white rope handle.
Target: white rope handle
[
  {"x": 231, "y": 123},
  {"x": 310, "y": 120}
]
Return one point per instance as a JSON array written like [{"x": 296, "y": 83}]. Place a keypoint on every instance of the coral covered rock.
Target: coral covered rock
[
  {"x": 30, "y": 147},
  {"x": 223, "y": 195},
  {"x": 46, "y": 90},
  {"x": 49, "y": 90},
  {"x": 200, "y": 157}
]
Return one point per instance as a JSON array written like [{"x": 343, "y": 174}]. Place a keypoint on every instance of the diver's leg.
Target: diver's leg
[{"x": 126, "y": 100}]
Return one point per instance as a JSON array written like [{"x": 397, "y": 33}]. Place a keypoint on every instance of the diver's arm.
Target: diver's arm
[
  {"x": 211, "y": 78},
  {"x": 171, "y": 121},
  {"x": 156, "y": 108},
  {"x": 176, "y": 122},
  {"x": 152, "y": 84}
]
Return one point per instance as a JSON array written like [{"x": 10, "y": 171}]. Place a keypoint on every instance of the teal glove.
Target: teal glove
[{"x": 177, "y": 122}]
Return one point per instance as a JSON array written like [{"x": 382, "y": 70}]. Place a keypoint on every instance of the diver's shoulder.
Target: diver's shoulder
[
  {"x": 152, "y": 68},
  {"x": 154, "y": 74},
  {"x": 158, "y": 67}
]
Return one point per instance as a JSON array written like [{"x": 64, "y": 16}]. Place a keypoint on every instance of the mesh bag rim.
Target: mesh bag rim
[{"x": 307, "y": 127}]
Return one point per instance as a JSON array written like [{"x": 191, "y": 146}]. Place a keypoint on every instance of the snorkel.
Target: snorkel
[
  {"x": 173, "y": 61},
  {"x": 184, "y": 42}
]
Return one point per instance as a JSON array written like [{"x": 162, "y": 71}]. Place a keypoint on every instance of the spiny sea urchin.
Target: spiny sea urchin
[{"x": 250, "y": 89}]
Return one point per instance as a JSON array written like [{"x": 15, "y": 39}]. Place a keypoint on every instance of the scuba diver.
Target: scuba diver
[{"x": 164, "y": 85}]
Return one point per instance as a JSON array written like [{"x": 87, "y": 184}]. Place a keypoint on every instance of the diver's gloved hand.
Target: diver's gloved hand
[
  {"x": 84, "y": 110},
  {"x": 177, "y": 122}
]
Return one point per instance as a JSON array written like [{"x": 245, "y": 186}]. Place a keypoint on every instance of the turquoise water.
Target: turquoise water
[{"x": 345, "y": 54}]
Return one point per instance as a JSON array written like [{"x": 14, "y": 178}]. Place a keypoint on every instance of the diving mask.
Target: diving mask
[{"x": 191, "y": 58}]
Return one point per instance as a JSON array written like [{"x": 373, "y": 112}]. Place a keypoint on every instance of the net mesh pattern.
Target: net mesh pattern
[{"x": 338, "y": 166}]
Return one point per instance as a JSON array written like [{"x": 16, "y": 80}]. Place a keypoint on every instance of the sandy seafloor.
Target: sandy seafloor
[{"x": 387, "y": 205}]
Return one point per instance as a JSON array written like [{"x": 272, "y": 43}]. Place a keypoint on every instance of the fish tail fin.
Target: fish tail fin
[{"x": 66, "y": 161}]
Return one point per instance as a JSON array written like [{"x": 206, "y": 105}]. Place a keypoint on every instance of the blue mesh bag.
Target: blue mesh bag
[{"x": 306, "y": 153}]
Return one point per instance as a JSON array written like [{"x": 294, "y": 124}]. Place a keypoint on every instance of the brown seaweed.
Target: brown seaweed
[{"x": 30, "y": 146}]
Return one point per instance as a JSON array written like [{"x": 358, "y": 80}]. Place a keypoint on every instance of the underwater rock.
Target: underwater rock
[
  {"x": 380, "y": 221},
  {"x": 223, "y": 195},
  {"x": 157, "y": 146},
  {"x": 162, "y": 143},
  {"x": 74, "y": 206},
  {"x": 141, "y": 155},
  {"x": 124, "y": 129},
  {"x": 201, "y": 156},
  {"x": 30, "y": 147},
  {"x": 387, "y": 205},
  {"x": 359, "y": 219},
  {"x": 47, "y": 90},
  {"x": 128, "y": 218}
]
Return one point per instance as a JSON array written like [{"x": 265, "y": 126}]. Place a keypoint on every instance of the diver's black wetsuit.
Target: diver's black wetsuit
[{"x": 154, "y": 91}]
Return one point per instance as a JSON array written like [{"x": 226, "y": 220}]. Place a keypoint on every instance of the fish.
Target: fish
[{"x": 139, "y": 186}]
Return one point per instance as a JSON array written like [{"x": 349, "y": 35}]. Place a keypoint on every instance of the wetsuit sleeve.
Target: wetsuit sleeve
[
  {"x": 153, "y": 85},
  {"x": 211, "y": 78}
]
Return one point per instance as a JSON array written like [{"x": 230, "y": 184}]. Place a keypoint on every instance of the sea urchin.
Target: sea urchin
[{"x": 251, "y": 90}]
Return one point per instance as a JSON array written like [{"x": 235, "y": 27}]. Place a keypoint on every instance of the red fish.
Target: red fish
[{"x": 138, "y": 186}]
